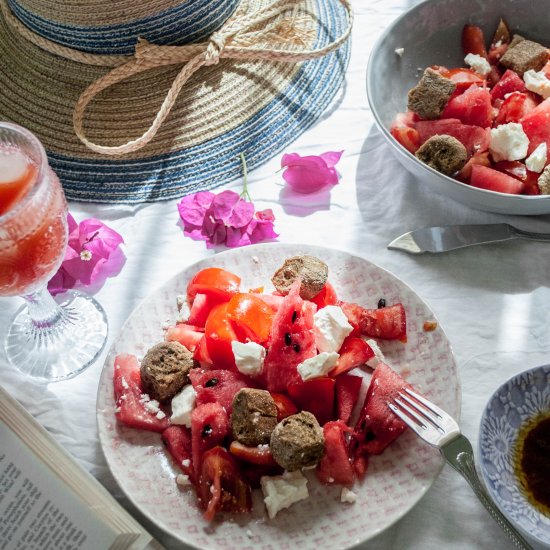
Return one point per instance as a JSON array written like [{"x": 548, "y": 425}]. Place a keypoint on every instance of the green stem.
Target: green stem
[{"x": 245, "y": 194}]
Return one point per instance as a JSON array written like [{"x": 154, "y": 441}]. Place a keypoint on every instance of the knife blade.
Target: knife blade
[{"x": 451, "y": 237}]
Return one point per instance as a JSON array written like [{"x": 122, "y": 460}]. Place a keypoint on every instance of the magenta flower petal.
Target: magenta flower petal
[
  {"x": 261, "y": 228},
  {"x": 193, "y": 207},
  {"x": 61, "y": 282},
  {"x": 224, "y": 218},
  {"x": 242, "y": 214},
  {"x": 331, "y": 158},
  {"x": 91, "y": 244},
  {"x": 311, "y": 173},
  {"x": 223, "y": 204}
]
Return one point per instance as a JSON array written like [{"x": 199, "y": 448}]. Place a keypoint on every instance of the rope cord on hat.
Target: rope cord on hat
[{"x": 232, "y": 41}]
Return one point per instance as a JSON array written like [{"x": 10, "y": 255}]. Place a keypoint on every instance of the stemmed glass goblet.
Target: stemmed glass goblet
[{"x": 49, "y": 338}]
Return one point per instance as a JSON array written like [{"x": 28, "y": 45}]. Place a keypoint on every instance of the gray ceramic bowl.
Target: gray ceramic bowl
[{"x": 430, "y": 34}]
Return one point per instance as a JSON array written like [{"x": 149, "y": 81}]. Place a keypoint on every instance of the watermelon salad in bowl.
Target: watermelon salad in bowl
[
  {"x": 245, "y": 400},
  {"x": 461, "y": 90}
]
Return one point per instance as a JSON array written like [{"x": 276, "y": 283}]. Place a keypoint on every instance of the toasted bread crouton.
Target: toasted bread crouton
[
  {"x": 165, "y": 369},
  {"x": 429, "y": 97},
  {"x": 524, "y": 56},
  {"x": 443, "y": 153},
  {"x": 544, "y": 181}
]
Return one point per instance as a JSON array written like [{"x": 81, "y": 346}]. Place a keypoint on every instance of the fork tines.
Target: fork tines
[{"x": 426, "y": 419}]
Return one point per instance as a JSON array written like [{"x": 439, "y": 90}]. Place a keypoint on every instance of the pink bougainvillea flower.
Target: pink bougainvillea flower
[
  {"x": 225, "y": 218},
  {"x": 92, "y": 255},
  {"x": 311, "y": 173}
]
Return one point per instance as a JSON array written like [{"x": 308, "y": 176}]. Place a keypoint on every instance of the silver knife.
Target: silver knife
[{"x": 451, "y": 237}]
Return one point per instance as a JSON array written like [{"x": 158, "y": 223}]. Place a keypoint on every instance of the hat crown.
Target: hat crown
[{"x": 113, "y": 26}]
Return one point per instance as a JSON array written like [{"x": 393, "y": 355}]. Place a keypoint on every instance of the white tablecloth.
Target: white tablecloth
[{"x": 492, "y": 301}]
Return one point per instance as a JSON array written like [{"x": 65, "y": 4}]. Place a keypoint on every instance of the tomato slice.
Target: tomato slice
[
  {"x": 252, "y": 315},
  {"x": 255, "y": 455},
  {"x": 327, "y": 297},
  {"x": 213, "y": 281},
  {"x": 465, "y": 172},
  {"x": 221, "y": 486},
  {"x": 187, "y": 335},
  {"x": 219, "y": 333},
  {"x": 201, "y": 308},
  {"x": 403, "y": 130},
  {"x": 285, "y": 406},
  {"x": 408, "y": 137},
  {"x": 463, "y": 78},
  {"x": 201, "y": 353},
  {"x": 473, "y": 41},
  {"x": 315, "y": 396},
  {"x": 353, "y": 353}
]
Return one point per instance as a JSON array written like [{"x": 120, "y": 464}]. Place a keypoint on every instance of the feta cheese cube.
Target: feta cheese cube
[
  {"x": 183, "y": 480},
  {"x": 478, "y": 64},
  {"x": 378, "y": 355},
  {"x": 282, "y": 491},
  {"x": 330, "y": 328},
  {"x": 319, "y": 365},
  {"x": 509, "y": 142},
  {"x": 152, "y": 406},
  {"x": 347, "y": 496},
  {"x": 182, "y": 406},
  {"x": 537, "y": 160},
  {"x": 249, "y": 357},
  {"x": 537, "y": 82}
]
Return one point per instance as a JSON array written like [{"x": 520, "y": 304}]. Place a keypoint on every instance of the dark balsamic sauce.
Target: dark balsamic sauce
[{"x": 533, "y": 462}]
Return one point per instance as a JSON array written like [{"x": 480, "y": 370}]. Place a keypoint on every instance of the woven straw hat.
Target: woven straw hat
[{"x": 147, "y": 100}]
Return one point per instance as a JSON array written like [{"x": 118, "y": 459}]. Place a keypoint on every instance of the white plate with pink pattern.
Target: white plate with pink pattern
[{"x": 395, "y": 480}]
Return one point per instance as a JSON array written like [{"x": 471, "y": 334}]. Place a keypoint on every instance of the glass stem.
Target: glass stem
[{"x": 43, "y": 310}]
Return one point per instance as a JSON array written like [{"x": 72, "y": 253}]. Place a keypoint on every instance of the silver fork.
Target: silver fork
[{"x": 440, "y": 430}]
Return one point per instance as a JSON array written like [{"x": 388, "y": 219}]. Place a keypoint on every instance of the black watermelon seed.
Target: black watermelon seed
[
  {"x": 294, "y": 316},
  {"x": 211, "y": 383},
  {"x": 381, "y": 303},
  {"x": 288, "y": 339},
  {"x": 296, "y": 348},
  {"x": 370, "y": 436},
  {"x": 206, "y": 431}
]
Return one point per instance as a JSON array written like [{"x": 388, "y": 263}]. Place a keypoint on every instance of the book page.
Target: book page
[{"x": 37, "y": 511}]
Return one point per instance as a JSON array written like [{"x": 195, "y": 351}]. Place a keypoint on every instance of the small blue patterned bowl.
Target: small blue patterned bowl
[{"x": 523, "y": 397}]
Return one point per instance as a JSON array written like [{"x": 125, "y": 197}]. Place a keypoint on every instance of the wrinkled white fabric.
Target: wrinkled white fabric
[{"x": 492, "y": 301}]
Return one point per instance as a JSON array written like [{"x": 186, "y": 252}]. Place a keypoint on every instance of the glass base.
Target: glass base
[{"x": 62, "y": 349}]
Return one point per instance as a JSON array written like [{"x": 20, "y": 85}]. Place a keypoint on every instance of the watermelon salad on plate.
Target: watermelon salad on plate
[
  {"x": 486, "y": 123},
  {"x": 281, "y": 410}
]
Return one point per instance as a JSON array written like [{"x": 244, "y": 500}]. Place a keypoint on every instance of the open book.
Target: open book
[{"x": 48, "y": 501}]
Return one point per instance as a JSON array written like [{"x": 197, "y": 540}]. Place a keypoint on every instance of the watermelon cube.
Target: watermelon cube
[
  {"x": 377, "y": 425},
  {"x": 131, "y": 408},
  {"x": 472, "y": 107},
  {"x": 493, "y": 180},
  {"x": 335, "y": 466},
  {"x": 536, "y": 124},
  {"x": 291, "y": 342},
  {"x": 218, "y": 386},
  {"x": 388, "y": 323},
  {"x": 474, "y": 138},
  {"x": 509, "y": 82},
  {"x": 209, "y": 427},
  {"x": 347, "y": 393},
  {"x": 177, "y": 440}
]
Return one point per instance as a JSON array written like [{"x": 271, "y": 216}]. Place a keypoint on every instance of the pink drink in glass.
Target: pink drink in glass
[{"x": 33, "y": 223}]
